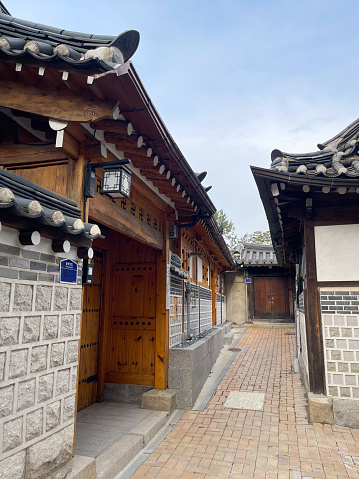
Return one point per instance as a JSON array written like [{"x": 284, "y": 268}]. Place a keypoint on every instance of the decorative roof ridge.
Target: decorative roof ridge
[
  {"x": 16, "y": 28},
  {"x": 338, "y": 156}
]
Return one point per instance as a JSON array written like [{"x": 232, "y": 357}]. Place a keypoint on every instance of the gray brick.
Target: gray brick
[
  {"x": 4, "y": 248},
  {"x": 336, "y": 355},
  {"x": 46, "y": 277},
  {"x": 9, "y": 273},
  {"x": 19, "y": 263},
  {"x": 35, "y": 265},
  {"x": 75, "y": 298},
  {"x": 334, "y": 332},
  {"x": 4, "y": 261},
  {"x": 30, "y": 254},
  {"x": 57, "y": 354},
  {"x": 38, "y": 358},
  {"x": 49, "y": 258},
  {"x": 28, "y": 275},
  {"x": 53, "y": 268}
]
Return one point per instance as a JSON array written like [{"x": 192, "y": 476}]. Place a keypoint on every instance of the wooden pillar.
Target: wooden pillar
[
  {"x": 312, "y": 314},
  {"x": 213, "y": 288},
  {"x": 76, "y": 180},
  {"x": 162, "y": 314}
]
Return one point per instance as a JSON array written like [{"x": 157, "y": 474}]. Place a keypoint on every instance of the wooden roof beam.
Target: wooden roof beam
[{"x": 53, "y": 103}]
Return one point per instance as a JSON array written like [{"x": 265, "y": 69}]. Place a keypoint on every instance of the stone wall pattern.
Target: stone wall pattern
[
  {"x": 39, "y": 337},
  {"x": 341, "y": 341}
]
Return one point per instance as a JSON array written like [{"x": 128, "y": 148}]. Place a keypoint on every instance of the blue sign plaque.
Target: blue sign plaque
[
  {"x": 68, "y": 271},
  {"x": 248, "y": 280}
]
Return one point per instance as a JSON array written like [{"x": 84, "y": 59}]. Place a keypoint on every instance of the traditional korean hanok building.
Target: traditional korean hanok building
[
  {"x": 76, "y": 120},
  {"x": 311, "y": 202},
  {"x": 258, "y": 289}
]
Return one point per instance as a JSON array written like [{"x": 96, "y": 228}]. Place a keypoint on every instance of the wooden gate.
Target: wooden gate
[
  {"x": 271, "y": 297},
  {"x": 131, "y": 356},
  {"x": 92, "y": 295}
]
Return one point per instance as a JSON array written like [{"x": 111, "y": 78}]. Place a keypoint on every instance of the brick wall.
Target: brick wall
[
  {"x": 340, "y": 323},
  {"x": 39, "y": 335}
]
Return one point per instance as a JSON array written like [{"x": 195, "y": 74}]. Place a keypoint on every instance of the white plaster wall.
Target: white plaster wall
[{"x": 335, "y": 248}]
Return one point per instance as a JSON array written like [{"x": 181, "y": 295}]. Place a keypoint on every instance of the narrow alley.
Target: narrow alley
[{"x": 274, "y": 442}]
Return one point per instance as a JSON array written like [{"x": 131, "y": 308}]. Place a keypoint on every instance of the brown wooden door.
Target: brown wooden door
[
  {"x": 271, "y": 297},
  {"x": 90, "y": 324},
  {"x": 131, "y": 358}
]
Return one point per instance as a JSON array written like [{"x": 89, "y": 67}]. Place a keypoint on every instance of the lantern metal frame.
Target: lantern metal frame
[{"x": 90, "y": 178}]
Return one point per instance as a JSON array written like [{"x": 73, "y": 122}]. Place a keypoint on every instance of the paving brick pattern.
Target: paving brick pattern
[{"x": 276, "y": 443}]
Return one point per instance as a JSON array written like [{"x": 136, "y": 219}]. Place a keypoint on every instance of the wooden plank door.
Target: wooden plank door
[
  {"x": 262, "y": 302},
  {"x": 132, "y": 343},
  {"x": 89, "y": 341},
  {"x": 271, "y": 297},
  {"x": 280, "y": 297}
]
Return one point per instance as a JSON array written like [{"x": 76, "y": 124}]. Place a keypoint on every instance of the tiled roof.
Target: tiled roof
[
  {"x": 25, "y": 203},
  {"x": 22, "y": 38},
  {"x": 337, "y": 156},
  {"x": 258, "y": 255}
]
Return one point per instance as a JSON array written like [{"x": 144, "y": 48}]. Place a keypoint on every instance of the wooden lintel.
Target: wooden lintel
[
  {"x": 102, "y": 209},
  {"x": 26, "y": 154},
  {"x": 58, "y": 104}
]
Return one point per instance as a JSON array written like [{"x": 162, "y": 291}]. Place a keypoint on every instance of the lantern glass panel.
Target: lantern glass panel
[
  {"x": 111, "y": 181},
  {"x": 126, "y": 184}
]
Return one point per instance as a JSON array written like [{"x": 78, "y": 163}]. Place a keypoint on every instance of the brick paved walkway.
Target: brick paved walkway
[{"x": 276, "y": 443}]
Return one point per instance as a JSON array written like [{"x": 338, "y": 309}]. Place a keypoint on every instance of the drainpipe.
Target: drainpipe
[{"x": 188, "y": 302}]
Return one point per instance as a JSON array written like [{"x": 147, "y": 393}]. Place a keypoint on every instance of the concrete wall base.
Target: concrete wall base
[
  {"x": 80, "y": 467},
  {"x": 189, "y": 367},
  {"x": 125, "y": 393},
  {"x": 159, "y": 400},
  {"x": 320, "y": 408}
]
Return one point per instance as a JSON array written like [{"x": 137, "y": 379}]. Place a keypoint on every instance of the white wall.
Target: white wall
[{"x": 337, "y": 258}]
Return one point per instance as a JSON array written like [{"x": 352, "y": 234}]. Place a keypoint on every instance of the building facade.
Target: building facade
[
  {"x": 71, "y": 106},
  {"x": 311, "y": 205}
]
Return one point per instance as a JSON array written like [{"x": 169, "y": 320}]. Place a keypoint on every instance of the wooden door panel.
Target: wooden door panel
[
  {"x": 133, "y": 324},
  {"x": 280, "y": 297},
  {"x": 89, "y": 342},
  {"x": 262, "y": 305}
]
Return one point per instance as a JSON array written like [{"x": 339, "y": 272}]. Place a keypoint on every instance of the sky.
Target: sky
[{"x": 233, "y": 79}]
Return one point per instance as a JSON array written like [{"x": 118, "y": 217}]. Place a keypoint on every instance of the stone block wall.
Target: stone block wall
[
  {"x": 39, "y": 336},
  {"x": 220, "y": 308},
  {"x": 205, "y": 308},
  {"x": 340, "y": 324},
  {"x": 189, "y": 367}
]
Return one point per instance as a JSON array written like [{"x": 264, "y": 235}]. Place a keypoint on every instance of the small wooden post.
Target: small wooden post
[{"x": 312, "y": 314}]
